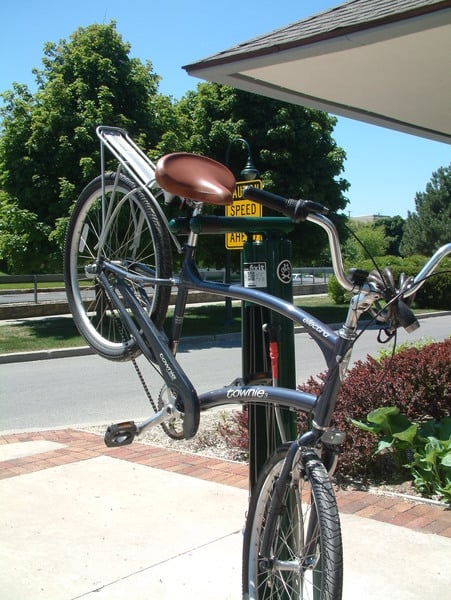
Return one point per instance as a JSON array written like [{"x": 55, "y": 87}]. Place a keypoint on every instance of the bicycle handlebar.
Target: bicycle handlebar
[
  {"x": 306, "y": 210},
  {"x": 296, "y": 210}
]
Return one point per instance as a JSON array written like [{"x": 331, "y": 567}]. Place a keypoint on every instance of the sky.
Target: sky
[{"x": 385, "y": 168}]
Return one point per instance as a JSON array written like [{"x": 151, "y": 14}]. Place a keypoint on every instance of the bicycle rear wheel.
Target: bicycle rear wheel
[
  {"x": 114, "y": 220},
  {"x": 306, "y": 559}
]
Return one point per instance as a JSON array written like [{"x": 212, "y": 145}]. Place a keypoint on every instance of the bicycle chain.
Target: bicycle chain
[
  {"x": 144, "y": 384},
  {"x": 133, "y": 359}
]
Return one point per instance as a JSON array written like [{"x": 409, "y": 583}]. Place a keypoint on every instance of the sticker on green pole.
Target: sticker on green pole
[{"x": 254, "y": 275}]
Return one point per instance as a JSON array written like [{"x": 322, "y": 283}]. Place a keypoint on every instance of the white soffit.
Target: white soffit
[{"x": 397, "y": 75}]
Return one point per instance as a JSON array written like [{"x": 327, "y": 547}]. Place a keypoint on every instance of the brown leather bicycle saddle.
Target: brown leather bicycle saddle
[{"x": 195, "y": 177}]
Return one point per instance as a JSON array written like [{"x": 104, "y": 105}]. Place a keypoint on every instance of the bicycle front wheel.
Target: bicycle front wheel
[
  {"x": 113, "y": 220},
  {"x": 306, "y": 558}
]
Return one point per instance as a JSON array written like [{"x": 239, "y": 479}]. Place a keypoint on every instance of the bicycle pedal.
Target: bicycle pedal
[{"x": 120, "y": 434}]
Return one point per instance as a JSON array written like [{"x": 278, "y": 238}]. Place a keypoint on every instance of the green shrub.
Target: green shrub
[
  {"x": 416, "y": 380},
  {"x": 336, "y": 292},
  {"x": 436, "y": 291},
  {"x": 423, "y": 449}
]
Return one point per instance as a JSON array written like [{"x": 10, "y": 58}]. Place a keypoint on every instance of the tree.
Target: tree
[
  {"x": 292, "y": 148},
  {"x": 394, "y": 230},
  {"x": 429, "y": 227},
  {"x": 373, "y": 238},
  {"x": 24, "y": 243},
  {"x": 48, "y": 146},
  {"x": 49, "y": 151}
]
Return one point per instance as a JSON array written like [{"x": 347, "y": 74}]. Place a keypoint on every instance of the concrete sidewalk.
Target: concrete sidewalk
[{"x": 79, "y": 520}]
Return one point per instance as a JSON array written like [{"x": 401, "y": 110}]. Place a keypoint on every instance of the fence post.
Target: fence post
[{"x": 35, "y": 288}]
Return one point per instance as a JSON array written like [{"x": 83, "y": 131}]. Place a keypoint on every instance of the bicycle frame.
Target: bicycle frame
[
  {"x": 156, "y": 347},
  {"x": 335, "y": 347},
  {"x": 123, "y": 279}
]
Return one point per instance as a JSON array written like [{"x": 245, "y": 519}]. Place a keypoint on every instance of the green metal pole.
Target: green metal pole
[{"x": 266, "y": 265}]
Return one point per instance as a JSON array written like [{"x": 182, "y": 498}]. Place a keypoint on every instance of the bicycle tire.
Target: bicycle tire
[
  {"x": 309, "y": 498},
  {"x": 125, "y": 229}
]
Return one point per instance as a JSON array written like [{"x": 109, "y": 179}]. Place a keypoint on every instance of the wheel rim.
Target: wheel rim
[
  {"x": 294, "y": 570},
  {"x": 127, "y": 239}
]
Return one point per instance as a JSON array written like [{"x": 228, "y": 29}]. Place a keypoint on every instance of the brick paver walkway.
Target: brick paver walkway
[{"x": 80, "y": 445}]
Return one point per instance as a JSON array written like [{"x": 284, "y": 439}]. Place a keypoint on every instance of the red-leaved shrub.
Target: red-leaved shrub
[{"x": 416, "y": 380}]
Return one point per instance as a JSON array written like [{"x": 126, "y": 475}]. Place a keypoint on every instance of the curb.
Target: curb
[{"x": 86, "y": 350}]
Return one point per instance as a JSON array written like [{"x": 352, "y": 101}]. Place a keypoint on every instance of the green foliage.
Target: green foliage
[
  {"x": 336, "y": 292},
  {"x": 24, "y": 243},
  {"x": 292, "y": 147},
  {"x": 49, "y": 150},
  {"x": 48, "y": 146},
  {"x": 436, "y": 291},
  {"x": 429, "y": 226},
  {"x": 394, "y": 230},
  {"x": 426, "y": 447},
  {"x": 387, "y": 353},
  {"x": 375, "y": 242}
]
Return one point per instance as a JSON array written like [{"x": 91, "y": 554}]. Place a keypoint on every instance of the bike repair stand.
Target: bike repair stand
[{"x": 266, "y": 265}]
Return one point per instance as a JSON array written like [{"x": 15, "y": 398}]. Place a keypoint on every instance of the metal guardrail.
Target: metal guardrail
[
  {"x": 35, "y": 279},
  {"x": 32, "y": 279},
  {"x": 305, "y": 280}
]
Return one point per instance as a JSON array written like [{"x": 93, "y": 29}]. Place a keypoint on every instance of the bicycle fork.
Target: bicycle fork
[{"x": 289, "y": 475}]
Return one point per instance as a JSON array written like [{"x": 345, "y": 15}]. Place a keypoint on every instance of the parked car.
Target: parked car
[{"x": 300, "y": 277}]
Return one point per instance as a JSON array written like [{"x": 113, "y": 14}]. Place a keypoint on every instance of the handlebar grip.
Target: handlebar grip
[{"x": 297, "y": 210}]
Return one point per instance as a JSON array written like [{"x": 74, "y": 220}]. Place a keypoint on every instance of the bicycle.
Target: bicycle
[{"x": 118, "y": 271}]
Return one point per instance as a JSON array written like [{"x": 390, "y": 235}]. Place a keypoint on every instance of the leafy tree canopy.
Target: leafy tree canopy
[
  {"x": 375, "y": 242},
  {"x": 429, "y": 226},
  {"x": 292, "y": 147},
  {"x": 48, "y": 146},
  {"x": 49, "y": 150},
  {"x": 24, "y": 243},
  {"x": 394, "y": 230}
]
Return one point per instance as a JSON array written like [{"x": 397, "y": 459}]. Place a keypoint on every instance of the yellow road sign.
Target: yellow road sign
[{"x": 241, "y": 208}]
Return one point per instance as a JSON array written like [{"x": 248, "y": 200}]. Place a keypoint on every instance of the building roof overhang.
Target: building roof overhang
[{"x": 382, "y": 62}]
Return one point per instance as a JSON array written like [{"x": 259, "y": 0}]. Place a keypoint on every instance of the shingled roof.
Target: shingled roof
[
  {"x": 355, "y": 15},
  {"x": 386, "y": 62}
]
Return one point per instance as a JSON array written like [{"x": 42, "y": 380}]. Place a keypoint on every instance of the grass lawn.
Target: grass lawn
[
  {"x": 60, "y": 332},
  {"x": 39, "y": 334}
]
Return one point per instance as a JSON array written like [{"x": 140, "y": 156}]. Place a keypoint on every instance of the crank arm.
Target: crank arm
[
  {"x": 167, "y": 413},
  {"x": 122, "y": 434}
]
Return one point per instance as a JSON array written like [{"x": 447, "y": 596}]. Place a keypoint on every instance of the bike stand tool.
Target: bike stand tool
[{"x": 266, "y": 264}]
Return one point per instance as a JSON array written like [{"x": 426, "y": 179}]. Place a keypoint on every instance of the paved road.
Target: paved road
[
  {"x": 80, "y": 390},
  {"x": 29, "y": 297},
  {"x": 59, "y": 295}
]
